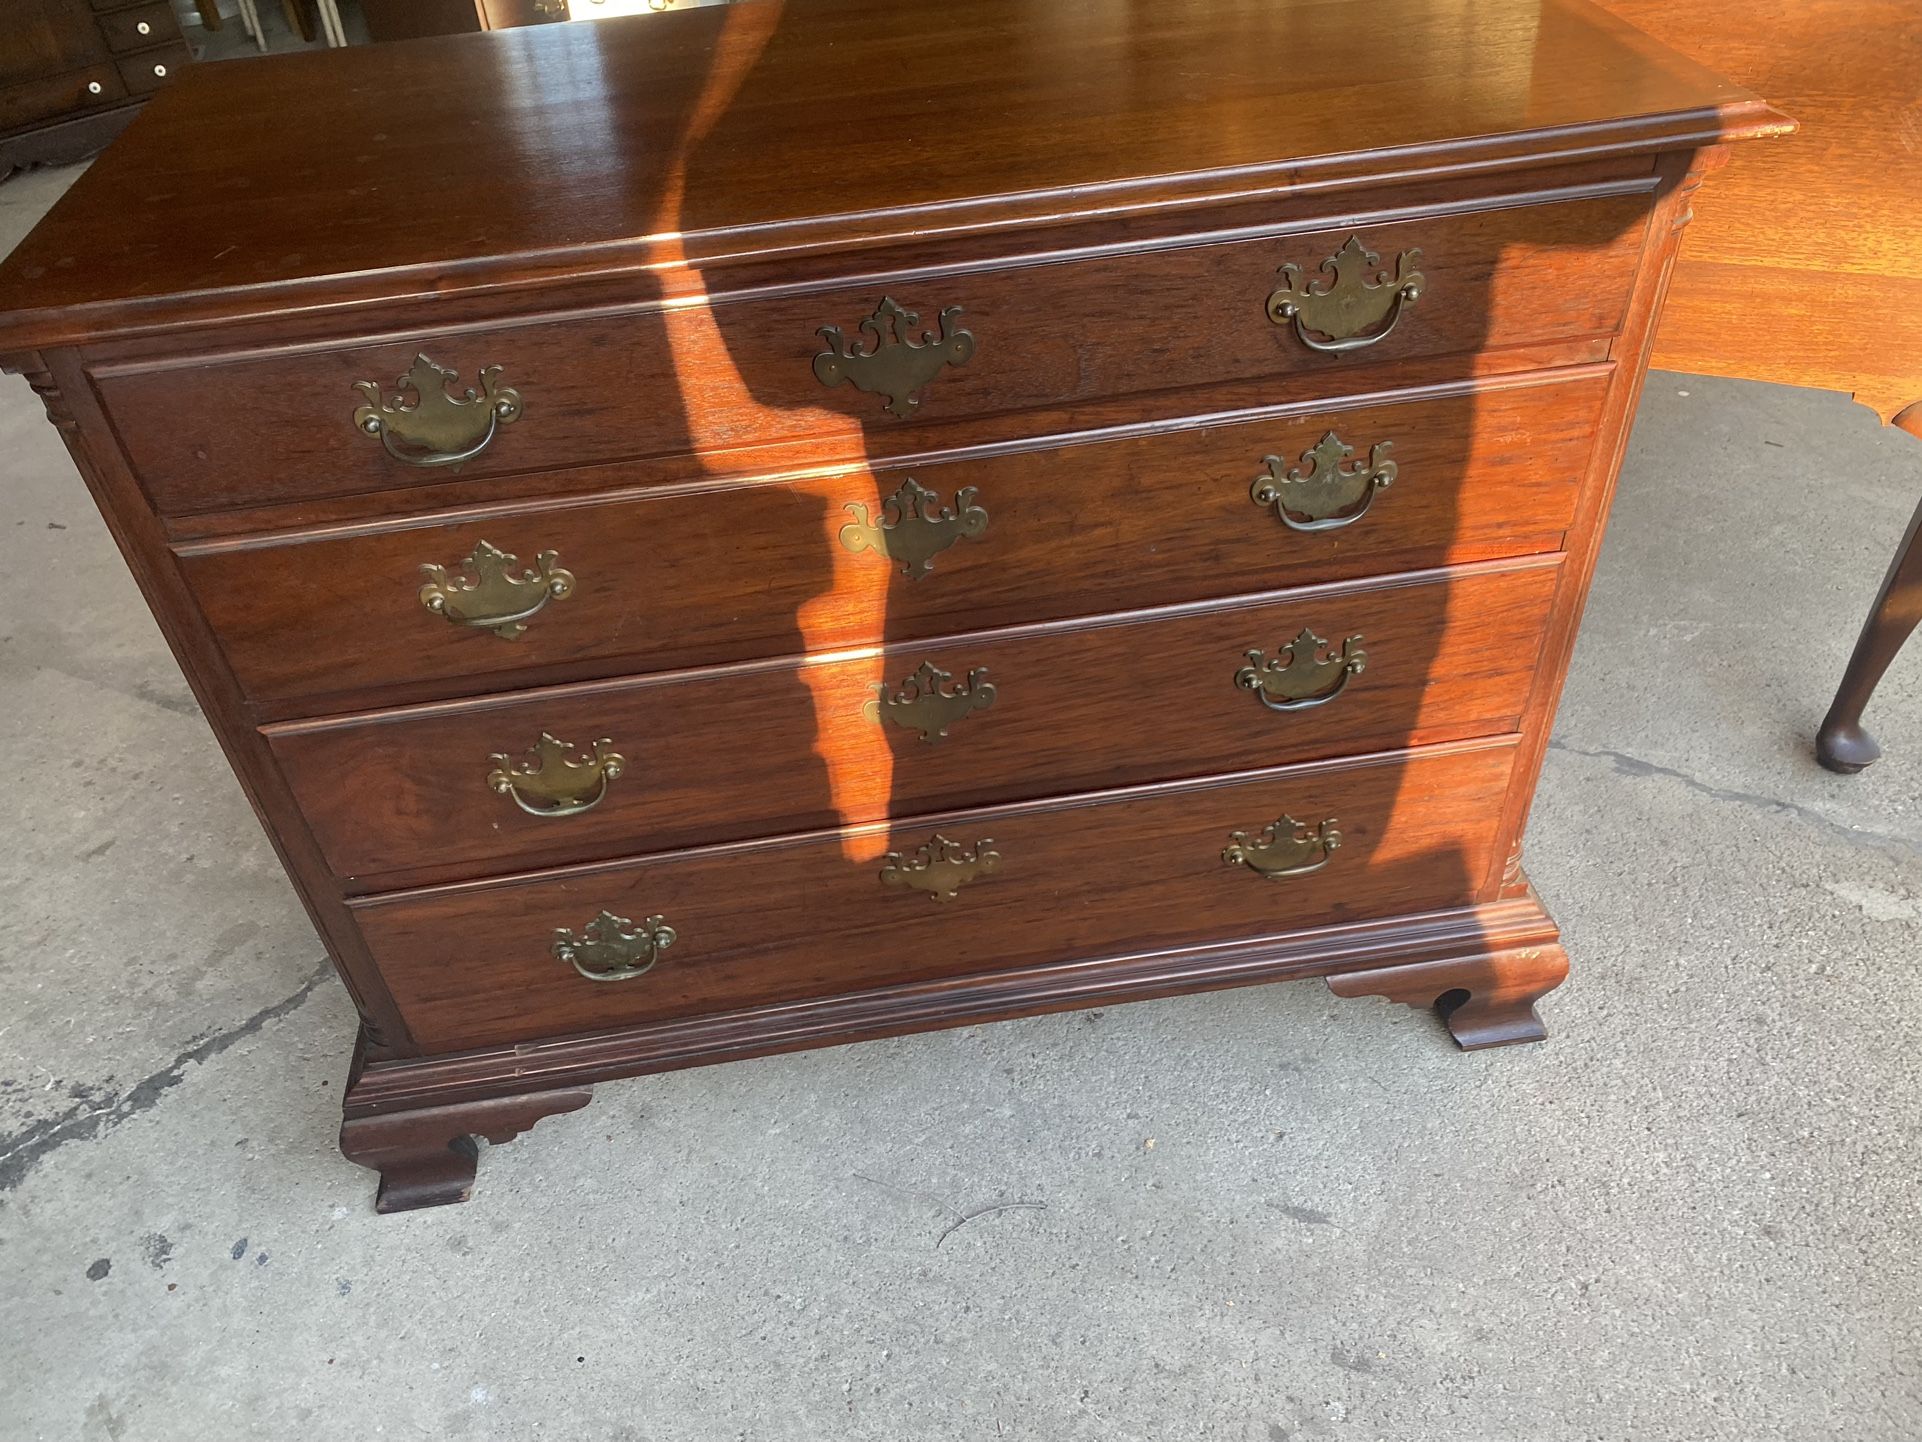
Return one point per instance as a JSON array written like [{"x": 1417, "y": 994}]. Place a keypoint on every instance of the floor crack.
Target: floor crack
[
  {"x": 21, "y": 1152},
  {"x": 1628, "y": 765}
]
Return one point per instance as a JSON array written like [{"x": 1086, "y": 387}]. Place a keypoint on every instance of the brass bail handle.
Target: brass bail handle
[
  {"x": 556, "y": 779},
  {"x": 488, "y": 593},
  {"x": 1329, "y": 489},
  {"x": 438, "y": 427},
  {"x": 1355, "y": 304},
  {"x": 612, "y": 948},
  {"x": 1284, "y": 849},
  {"x": 1307, "y": 673}
]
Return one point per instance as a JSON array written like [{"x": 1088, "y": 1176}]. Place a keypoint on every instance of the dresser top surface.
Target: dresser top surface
[{"x": 413, "y": 169}]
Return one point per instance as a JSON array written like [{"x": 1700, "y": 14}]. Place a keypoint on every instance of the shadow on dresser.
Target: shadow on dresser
[{"x": 1211, "y": 568}]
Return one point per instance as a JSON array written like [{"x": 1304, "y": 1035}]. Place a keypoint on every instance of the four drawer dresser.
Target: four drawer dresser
[{"x": 781, "y": 524}]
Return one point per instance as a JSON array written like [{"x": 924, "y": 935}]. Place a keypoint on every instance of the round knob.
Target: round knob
[
  {"x": 144, "y": 28},
  {"x": 94, "y": 87},
  {"x": 161, "y": 71}
]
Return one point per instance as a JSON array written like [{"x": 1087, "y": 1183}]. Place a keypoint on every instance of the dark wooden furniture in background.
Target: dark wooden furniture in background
[
  {"x": 73, "y": 73},
  {"x": 1804, "y": 263},
  {"x": 1066, "y": 544},
  {"x": 412, "y": 19}
]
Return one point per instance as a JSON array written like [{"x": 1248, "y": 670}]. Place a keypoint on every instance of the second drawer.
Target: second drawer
[
  {"x": 700, "y": 576},
  {"x": 453, "y": 790}
]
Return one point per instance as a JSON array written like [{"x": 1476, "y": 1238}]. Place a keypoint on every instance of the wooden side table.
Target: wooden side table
[{"x": 1801, "y": 265}]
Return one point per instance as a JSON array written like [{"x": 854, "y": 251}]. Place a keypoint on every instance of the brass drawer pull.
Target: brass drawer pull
[
  {"x": 1332, "y": 492},
  {"x": 495, "y": 599},
  {"x": 942, "y": 867},
  {"x": 1311, "y": 676},
  {"x": 1348, "y": 302},
  {"x": 553, "y": 779},
  {"x": 895, "y": 365},
  {"x": 612, "y": 948},
  {"x": 438, "y": 428},
  {"x": 928, "y": 702},
  {"x": 1287, "y": 848},
  {"x": 914, "y": 526}
]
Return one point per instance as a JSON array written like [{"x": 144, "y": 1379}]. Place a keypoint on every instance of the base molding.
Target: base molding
[
  {"x": 411, "y": 1117},
  {"x": 64, "y": 142}
]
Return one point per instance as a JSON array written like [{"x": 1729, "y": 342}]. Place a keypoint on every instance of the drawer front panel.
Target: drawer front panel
[
  {"x": 143, "y": 74},
  {"x": 1030, "y": 713},
  {"x": 737, "y": 372},
  {"x": 57, "y": 94},
  {"x": 669, "y": 580},
  {"x": 139, "y": 27},
  {"x": 813, "y": 917}
]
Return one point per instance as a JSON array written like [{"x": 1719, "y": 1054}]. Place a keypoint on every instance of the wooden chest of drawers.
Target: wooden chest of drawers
[{"x": 799, "y": 522}]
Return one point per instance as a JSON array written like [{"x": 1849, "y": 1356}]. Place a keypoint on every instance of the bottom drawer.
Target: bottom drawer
[
  {"x": 820, "y": 915},
  {"x": 52, "y": 96}
]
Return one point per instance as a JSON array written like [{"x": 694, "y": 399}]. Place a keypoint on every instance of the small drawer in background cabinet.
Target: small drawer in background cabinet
[
  {"x": 140, "y": 27},
  {"x": 59, "y": 95},
  {"x": 146, "y": 73}
]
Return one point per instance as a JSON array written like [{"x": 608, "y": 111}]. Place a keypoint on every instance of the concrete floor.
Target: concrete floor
[{"x": 1259, "y": 1216}]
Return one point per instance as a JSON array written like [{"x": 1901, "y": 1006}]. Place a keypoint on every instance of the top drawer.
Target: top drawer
[{"x": 832, "y": 363}]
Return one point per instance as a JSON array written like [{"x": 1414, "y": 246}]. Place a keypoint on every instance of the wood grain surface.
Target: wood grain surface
[
  {"x": 842, "y": 119},
  {"x": 809, "y": 916},
  {"x": 740, "y": 371},
  {"x": 1803, "y": 264},
  {"x": 645, "y": 225},
  {"x": 680, "y": 576},
  {"x": 402, "y": 797}
]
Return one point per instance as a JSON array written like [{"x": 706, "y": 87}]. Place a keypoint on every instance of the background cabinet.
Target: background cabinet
[
  {"x": 408, "y": 19},
  {"x": 74, "y": 72}
]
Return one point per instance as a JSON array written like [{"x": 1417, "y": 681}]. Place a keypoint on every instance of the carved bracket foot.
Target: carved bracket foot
[
  {"x": 426, "y": 1158},
  {"x": 1484, "y": 1000}
]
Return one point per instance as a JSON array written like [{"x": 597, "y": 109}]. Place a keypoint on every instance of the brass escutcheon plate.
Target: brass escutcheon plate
[
  {"x": 1311, "y": 675},
  {"x": 1286, "y": 848},
  {"x": 914, "y": 527},
  {"x": 486, "y": 594},
  {"x": 1354, "y": 303},
  {"x": 1332, "y": 492},
  {"x": 555, "y": 779},
  {"x": 437, "y": 427},
  {"x": 928, "y": 701},
  {"x": 940, "y": 868},
  {"x": 612, "y": 948},
  {"x": 895, "y": 364}
]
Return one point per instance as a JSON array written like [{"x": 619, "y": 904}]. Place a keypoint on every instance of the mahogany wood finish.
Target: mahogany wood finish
[
  {"x": 72, "y": 74},
  {"x": 1071, "y": 529},
  {"x": 1031, "y": 128},
  {"x": 644, "y": 225},
  {"x": 1127, "y": 699},
  {"x": 1046, "y": 335},
  {"x": 1097, "y": 875},
  {"x": 1802, "y": 266}
]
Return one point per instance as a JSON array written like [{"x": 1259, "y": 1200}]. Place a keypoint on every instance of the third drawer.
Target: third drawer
[{"x": 443, "y": 792}]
